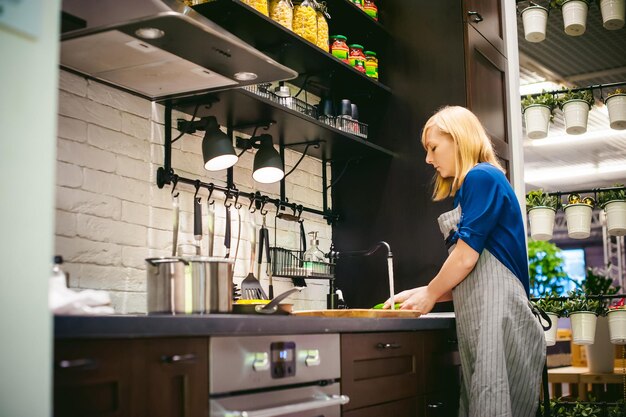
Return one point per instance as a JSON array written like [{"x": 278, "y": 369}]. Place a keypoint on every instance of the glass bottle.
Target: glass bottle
[
  {"x": 371, "y": 64},
  {"x": 370, "y": 8},
  {"x": 314, "y": 257}
]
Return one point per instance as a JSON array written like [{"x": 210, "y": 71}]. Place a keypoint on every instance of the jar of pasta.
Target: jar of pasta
[
  {"x": 305, "y": 20},
  {"x": 371, "y": 65},
  {"x": 322, "y": 26},
  {"x": 357, "y": 57},
  {"x": 370, "y": 8},
  {"x": 339, "y": 48},
  {"x": 281, "y": 11},
  {"x": 258, "y": 5}
]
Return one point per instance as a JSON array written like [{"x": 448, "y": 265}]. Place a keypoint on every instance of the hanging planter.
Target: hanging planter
[
  {"x": 601, "y": 354},
  {"x": 541, "y": 211},
  {"x": 575, "y": 106},
  {"x": 578, "y": 216},
  {"x": 614, "y": 204},
  {"x": 617, "y": 323},
  {"x": 583, "y": 327},
  {"x": 553, "y": 309},
  {"x": 535, "y": 20},
  {"x": 538, "y": 113},
  {"x": 612, "y": 14},
  {"x": 551, "y": 333},
  {"x": 616, "y": 105},
  {"x": 574, "y": 16}
]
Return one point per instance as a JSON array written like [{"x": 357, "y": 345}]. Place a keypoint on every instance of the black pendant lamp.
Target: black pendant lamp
[
  {"x": 217, "y": 148},
  {"x": 268, "y": 165}
]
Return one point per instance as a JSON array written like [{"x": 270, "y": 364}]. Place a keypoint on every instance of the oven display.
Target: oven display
[{"x": 283, "y": 359}]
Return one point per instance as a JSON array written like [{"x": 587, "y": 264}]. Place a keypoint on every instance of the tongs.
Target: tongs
[{"x": 264, "y": 244}]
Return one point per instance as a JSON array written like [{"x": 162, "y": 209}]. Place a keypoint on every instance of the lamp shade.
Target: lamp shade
[
  {"x": 217, "y": 148},
  {"x": 268, "y": 165}
]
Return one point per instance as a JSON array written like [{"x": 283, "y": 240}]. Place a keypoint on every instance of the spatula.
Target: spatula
[{"x": 250, "y": 286}]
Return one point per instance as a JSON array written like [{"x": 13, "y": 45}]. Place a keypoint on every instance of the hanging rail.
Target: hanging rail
[
  {"x": 595, "y": 191},
  {"x": 591, "y": 87}
]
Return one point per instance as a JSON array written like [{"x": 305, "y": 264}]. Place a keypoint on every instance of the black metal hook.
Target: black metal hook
[
  {"x": 227, "y": 196},
  {"x": 210, "y": 187},
  {"x": 237, "y": 204},
  {"x": 175, "y": 182},
  {"x": 252, "y": 207},
  {"x": 263, "y": 203},
  {"x": 195, "y": 196},
  {"x": 299, "y": 208}
]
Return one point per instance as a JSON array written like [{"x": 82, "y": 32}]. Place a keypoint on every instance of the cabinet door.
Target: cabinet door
[
  {"x": 173, "y": 374},
  {"x": 379, "y": 368},
  {"x": 92, "y": 378},
  {"x": 486, "y": 89},
  {"x": 491, "y": 26}
]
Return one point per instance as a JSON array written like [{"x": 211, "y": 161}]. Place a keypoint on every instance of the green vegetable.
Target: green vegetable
[{"x": 380, "y": 306}]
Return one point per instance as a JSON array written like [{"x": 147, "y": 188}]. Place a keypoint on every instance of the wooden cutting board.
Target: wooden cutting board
[{"x": 359, "y": 313}]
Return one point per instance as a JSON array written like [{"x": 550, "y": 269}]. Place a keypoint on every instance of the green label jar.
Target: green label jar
[
  {"x": 357, "y": 57},
  {"x": 371, "y": 64},
  {"x": 339, "y": 47}
]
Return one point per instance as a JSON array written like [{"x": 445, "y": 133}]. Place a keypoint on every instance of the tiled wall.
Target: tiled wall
[{"x": 111, "y": 215}]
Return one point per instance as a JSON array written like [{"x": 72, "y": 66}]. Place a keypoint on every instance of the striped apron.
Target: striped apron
[{"x": 501, "y": 343}]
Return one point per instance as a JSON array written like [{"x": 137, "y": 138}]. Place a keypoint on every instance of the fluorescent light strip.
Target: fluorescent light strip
[{"x": 573, "y": 171}]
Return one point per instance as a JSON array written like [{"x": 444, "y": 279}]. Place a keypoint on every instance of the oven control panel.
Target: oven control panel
[{"x": 283, "y": 362}]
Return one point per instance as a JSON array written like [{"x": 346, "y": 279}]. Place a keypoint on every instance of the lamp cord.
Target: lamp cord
[{"x": 193, "y": 118}]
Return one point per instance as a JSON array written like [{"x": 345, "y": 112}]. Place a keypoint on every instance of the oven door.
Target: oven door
[{"x": 310, "y": 401}]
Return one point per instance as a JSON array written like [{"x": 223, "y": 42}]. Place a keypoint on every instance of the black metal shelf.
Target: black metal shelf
[
  {"x": 243, "y": 110},
  {"x": 323, "y": 72},
  {"x": 348, "y": 20}
]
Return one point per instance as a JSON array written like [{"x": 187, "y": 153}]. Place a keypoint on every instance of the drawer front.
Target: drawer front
[
  {"x": 92, "y": 378},
  {"x": 407, "y": 407},
  {"x": 380, "y": 368}
]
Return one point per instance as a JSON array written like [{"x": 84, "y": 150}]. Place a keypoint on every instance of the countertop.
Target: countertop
[{"x": 140, "y": 326}]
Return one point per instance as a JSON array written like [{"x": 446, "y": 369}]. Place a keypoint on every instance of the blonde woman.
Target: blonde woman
[{"x": 501, "y": 344}]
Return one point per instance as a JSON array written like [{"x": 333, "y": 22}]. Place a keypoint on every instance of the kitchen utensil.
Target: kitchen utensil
[
  {"x": 345, "y": 108},
  {"x": 227, "y": 231},
  {"x": 272, "y": 307},
  {"x": 189, "y": 285},
  {"x": 264, "y": 245},
  {"x": 197, "y": 224},
  {"x": 250, "y": 286},
  {"x": 210, "y": 225},
  {"x": 176, "y": 207},
  {"x": 359, "y": 313},
  {"x": 260, "y": 306}
]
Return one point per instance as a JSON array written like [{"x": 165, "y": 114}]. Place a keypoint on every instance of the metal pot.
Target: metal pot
[{"x": 189, "y": 285}]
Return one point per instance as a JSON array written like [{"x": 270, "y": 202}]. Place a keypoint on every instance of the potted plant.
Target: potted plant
[
  {"x": 574, "y": 15},
  {"x": 575, "y": 106},
  {"x": 541, "y": 211},
  {"x": 582, "y": 312},
  {"x": 538, "y": 113},
  {"x": 578, "y": 216},
  {"x": 612, "y": 14},
  {"x": 614, "y": 204},
  {"x": 545, "y": 267},
  {"x": 617, "y": 322},
  {"x": 535, "y": 20},
  {"x": 553, "y": 309},
  {"x": 585, "y": 410},
  {"x": 616, "y": 105}
]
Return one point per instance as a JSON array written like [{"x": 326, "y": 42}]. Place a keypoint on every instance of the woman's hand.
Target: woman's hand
[
  {"x": 421, "y": 299},
  {"x": 399, "y": 298}
]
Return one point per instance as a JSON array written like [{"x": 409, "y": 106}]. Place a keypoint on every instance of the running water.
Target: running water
[{"x": 390, "y": 274}]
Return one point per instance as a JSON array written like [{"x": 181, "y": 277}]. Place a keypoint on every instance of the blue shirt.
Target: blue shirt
[{"x": 491, "y": 219}]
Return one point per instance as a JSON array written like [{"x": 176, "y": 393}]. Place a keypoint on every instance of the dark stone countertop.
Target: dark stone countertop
[{"x": 140, "y": 326}]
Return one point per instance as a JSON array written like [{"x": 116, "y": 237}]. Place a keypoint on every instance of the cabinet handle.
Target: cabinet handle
[
  {"x": 189, "y": 357},
  {"x": 476, "y": 17},
  {"x": 388, "y": 346},
  {"x": 84, "y": 363},
  {"x": 435, "y": 405}
]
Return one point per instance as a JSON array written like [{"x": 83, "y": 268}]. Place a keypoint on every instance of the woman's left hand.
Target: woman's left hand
[{"x": 421, "y": 300}]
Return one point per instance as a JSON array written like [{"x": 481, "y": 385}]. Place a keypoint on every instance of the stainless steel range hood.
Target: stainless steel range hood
[{"x": 160, "y": 49}]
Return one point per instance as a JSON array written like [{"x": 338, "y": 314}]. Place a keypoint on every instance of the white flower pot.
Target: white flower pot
[
  {"x": 616, "y": 105},
  {"x": 574, "y": 17},
  {"x": 583, "y": 327},
  {"x": 535, "y": 20},
  {"x": 617, "y": 326},
  {"x": 612, "y": 14},
  {"x": 541, "y": 222},
  {"x": 537, "y": 117},
  {"x": 601, "y": 354},
  {"x": 578, "y": 218},
  {"x": 551, "y": 334},
  {"x": 576, "y": 113},
  {"x": 615, "y": 217}
]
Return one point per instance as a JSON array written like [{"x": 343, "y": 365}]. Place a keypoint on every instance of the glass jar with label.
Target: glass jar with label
[
  {"x": 305, "y": 20},
  {"x": 281, "y": 11},
  {"x": 371, "y": 65},
  {"x": 258, "y": 5},
  {"x": 357, "y": 57},
  {"x": 370, "y": 8},
  {"x": 358, "y": 3},
  {"x": 339, "y": 48},
  {"x": 322, "y": 26}
]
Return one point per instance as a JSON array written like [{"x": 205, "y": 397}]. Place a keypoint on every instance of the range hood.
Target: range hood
[{"x": 160, "y": 49}]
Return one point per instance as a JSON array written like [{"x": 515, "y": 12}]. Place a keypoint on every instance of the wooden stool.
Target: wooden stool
[
  {"x": 567, "y": 375},
  {"x": 604, "y": 385}
]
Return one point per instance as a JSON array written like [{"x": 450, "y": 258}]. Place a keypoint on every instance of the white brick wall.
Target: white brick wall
[{"x": 111, "y": 215}]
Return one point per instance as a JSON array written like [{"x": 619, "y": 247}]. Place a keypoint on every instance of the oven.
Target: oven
[{"x": 267, "y": 376}]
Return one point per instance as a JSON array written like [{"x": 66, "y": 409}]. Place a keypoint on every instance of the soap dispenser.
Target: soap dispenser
[{"x": 314, "y": 257}]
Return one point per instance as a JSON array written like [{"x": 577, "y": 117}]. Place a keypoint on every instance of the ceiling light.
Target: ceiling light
[
  {"x": 245, "y": 76},
  {"x": 268, "y": 165},
  {"x": 574, "y": 171},
  {"x": 217, "y": 148},
  {"x": 149, "y": 33}
]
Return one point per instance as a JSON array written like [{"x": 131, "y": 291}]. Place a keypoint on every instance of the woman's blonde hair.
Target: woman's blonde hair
[{"x": 471, "y": 143}]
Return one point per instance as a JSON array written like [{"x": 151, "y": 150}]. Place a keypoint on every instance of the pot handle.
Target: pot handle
[{"x": 159, "y": 261}]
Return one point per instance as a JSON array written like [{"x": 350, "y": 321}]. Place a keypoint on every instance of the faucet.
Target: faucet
[{"x": 334, "y": 255}]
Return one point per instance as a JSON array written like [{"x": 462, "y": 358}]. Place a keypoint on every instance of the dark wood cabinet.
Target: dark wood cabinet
[
  {"x": 487, "y": 18},
  {"x": 92, "y": 378}
]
